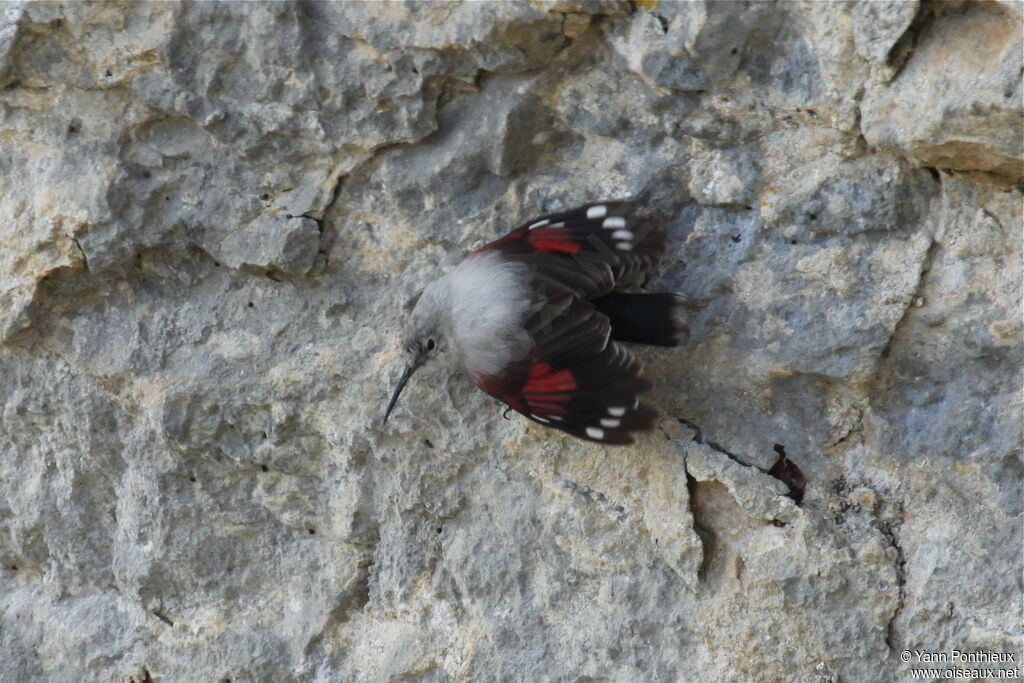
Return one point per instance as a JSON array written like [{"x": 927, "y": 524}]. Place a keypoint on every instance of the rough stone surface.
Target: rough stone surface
[
  {"x": 213, "y": 214},
  {"x": 963, "y": 60}
]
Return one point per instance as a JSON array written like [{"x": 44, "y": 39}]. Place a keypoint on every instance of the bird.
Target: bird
[{"x": 538, "y": 318}]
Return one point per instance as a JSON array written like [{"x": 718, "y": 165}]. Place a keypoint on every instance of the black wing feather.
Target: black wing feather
[
  {"x": 590, "y": 250},
  {"x": 576, "y": 379}
]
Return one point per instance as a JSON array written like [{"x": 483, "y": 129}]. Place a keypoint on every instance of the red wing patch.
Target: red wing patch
[
  {"x": 544, "y": 380},
  {"x": 496, "y": 388},
  {"x": 545, "y": 389},
  {"x": 576, "y": 379},
  {"x": 556, "y": 238},
  {"x": 591, "y": 249},
  {"x": 544, "y": 240}
]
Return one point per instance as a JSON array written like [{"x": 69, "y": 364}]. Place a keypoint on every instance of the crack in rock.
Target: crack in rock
[
  {"x": 759, "y": 493},
  {"x": 890, "y": 532},
  {"x": 855, "y": 429},
  {"x": 85, "y": 259},
  {"x": 699, "y": 438},
  {"x": 783, "y": 469},
  {"x": 915, "y": 298}
]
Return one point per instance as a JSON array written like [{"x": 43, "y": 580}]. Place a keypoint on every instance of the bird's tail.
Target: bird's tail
[{"x": 655, "y": 319}]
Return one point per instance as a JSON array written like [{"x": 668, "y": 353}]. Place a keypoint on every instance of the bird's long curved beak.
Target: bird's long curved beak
[{"x": 398, "y": 390}]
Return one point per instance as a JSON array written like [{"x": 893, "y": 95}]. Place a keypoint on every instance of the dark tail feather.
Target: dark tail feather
[{"x": 655, "y": 319}]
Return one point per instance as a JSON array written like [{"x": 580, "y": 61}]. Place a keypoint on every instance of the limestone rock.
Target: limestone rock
[
  {"x": 974, "y": 119},
  {"x": 215, "y": 213}
]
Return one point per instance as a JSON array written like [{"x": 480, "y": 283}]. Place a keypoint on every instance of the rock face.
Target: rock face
[{"x": 214, "y": 212}]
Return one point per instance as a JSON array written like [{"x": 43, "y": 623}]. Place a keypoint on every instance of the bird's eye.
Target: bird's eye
[{"x": 430, "y": 344}]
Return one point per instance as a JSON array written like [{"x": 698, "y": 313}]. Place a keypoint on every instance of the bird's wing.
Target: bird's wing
[
  {"x": 576, "y": 379},
  {"x": 589, "y": 250}
]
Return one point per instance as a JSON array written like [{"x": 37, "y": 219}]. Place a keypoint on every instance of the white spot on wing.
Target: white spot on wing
[
  {"x": 617, "y": 411},
  {"x": 622, "y": 235},
  {"x": 611, "y": 423},
  {"x": 614, "y": 222},
  {"x": 556, "y": 418},
  {"x": 540, "y": 224},
  {"x": 595, "y": 432},
  {"x": 540, "y": 419},
  {"x": 597, "y": 212},
  {"x": 624, "y": 246}
]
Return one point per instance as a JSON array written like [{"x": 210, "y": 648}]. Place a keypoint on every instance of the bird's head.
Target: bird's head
[{"x": 424, "y": 336}]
